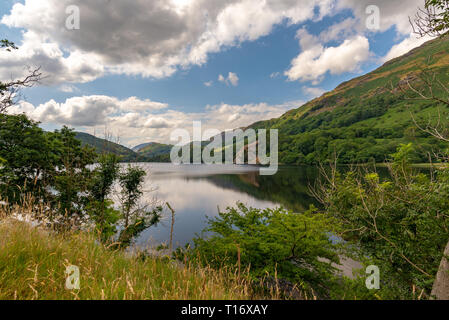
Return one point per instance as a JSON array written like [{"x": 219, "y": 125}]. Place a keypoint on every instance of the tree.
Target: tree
[
  {"x": 433, "y": 20},
  {"x": 9, "y": 90},
  {"x": 27, "y": 159},
  {"x": 72, "y": 175},
  {"x": 131, "y": 183},
  {"x": 400, "y": 221},
  {"x": 100, "y": 207},
  {"x": 273, "y": 242},
  {"x": 135, "y": 218}
]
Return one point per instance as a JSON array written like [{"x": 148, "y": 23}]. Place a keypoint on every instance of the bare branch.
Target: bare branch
[
  {"x": 9, "y": 91},
  {"x": 432, "y": 20}
]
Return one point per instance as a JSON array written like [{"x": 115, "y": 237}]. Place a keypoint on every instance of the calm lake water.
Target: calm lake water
[{"x": 198, "y": 191}]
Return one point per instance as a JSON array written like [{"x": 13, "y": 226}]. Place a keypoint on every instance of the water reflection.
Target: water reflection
[{"x": 197, "y": 191}]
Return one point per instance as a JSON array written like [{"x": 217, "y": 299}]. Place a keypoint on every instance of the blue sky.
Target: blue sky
[{"x": 93, "y": 90}]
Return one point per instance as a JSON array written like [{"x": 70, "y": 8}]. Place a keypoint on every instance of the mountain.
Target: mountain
[
  {"x": 102, "y": 145},
  {"x": 366, "y": 118},
  {"x": 141, "y": 146},
  {"x": 362, "y": 120},
  {"x": 156, "y": 151},
  {"x": 147, "y": 152}
]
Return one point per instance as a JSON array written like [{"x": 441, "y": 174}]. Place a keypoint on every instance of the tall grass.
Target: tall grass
[{"x": 33, "y": 262}]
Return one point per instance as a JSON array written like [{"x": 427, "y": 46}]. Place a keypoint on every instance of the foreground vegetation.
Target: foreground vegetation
[
  {"x": 33, "y": 263},
  {"x": 398, "y": 223}
]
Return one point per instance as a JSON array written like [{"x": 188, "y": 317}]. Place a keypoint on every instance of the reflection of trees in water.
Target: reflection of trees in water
[{"x": 289, "y": 187}]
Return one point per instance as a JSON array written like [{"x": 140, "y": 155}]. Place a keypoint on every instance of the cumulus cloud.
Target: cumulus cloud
[
  {"x": 405, "y": 46},
  {"x": 392, "y": 13},
  {"x": 313, "y": 92},
  {"x": 161, "y": 37},
  {"x": 68, "y": 88},
  {"x": 57, "y": 67},
  {"x": 154, "y": 124},
  {"x": 232, "y": 79},
  {"x": 88, "y": 111},
  {"x": 315, "y": 60},
  {"x": 165, "y": 36}
]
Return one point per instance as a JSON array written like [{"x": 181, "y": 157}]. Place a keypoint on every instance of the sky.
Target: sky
[{"x": 141, "y": 69}]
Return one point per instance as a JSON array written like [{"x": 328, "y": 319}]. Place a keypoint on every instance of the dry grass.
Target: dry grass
[{"x": 33, "y": 262}]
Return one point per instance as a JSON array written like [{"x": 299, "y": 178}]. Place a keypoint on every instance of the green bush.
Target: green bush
[{"x": 272, "y": 243}]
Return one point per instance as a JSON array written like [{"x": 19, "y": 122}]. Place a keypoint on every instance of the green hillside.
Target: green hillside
[
  {"x": 155, "y": 151},
  {"x": 102, "y": 145},
  {"x": 363, "y": 119}
]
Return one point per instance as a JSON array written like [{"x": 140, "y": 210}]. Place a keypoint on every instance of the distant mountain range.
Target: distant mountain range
[
  {"x": 362, "y": 120},
  {"x": 148, "y": 152},
  {"x": 155, "y": 151}
]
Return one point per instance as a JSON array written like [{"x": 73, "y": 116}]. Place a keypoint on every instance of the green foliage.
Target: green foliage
[
  {"x": 72, "y": 175},
  {"x": 439, "y": 22},
  {"x": 8, "y": 45},
  {"x": 57, "y": 170},
  {"x": 136, "y": 219},
  {"x": 139, "y": 224},
  {"x": 273, "y": 243},
  {"x": 28, "y": 158},
  {"x": 399, "y": 222},
  {"x": 131, "y": 182},
  {"x": 101, "y": 182}
]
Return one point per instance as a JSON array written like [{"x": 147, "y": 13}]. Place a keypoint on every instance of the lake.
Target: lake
[{"x": 198, "y": 191}]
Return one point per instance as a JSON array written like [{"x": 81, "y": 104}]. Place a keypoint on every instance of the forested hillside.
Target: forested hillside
[
  {"x": 155, "y": 151},
  {"x": 365, "y": 119},
  {"x": 104, "y": 146}
]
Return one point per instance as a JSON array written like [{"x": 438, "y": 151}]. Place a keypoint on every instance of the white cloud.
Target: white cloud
[
  {"x": 145, "y": 124},
  {"x": 405, "y": 46},
  {"x": 232, "y": 79},
  {"x": 160, "y": 38},
  {"x": 342, "y": 30},
  {"x": 157, "y": 123},
  {"x": 135, "y": 104},
  {"x": 316, "y": 60},
  {"x": 313, "y": 92},
  {"x": 392, "y": 13},
  {"x": 221, "y": 78},
  {"x": 208, "y": 83},
  {"x": 88, "y": 111},
  {"x": 57, "y": 67},
  {"x": 164, "y": 36},
  {"x": 68, "y": 88}
]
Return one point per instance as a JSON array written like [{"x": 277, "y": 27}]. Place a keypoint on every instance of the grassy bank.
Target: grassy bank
[{"x": 33, "y": 264}]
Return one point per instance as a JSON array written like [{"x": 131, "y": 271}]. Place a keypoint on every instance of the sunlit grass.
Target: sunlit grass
[{"x": 33, "y": 262}]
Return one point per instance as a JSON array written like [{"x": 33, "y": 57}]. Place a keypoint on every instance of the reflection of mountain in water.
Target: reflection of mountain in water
[{"x": 289, "y": 187}]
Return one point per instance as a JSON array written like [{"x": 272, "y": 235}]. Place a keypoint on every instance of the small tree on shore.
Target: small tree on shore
[
  {"x": 135, "y": 218},
  {"x": 100, "y": 206}
]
